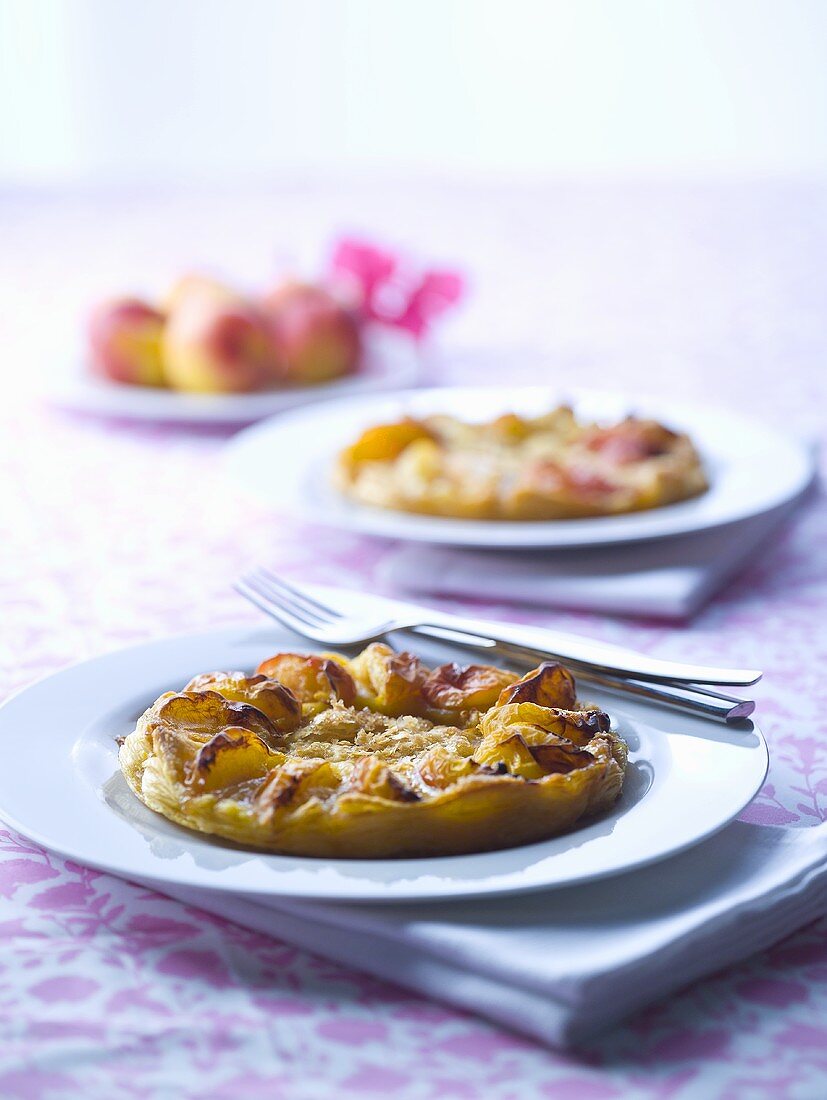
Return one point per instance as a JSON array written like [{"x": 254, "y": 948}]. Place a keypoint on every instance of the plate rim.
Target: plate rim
[
  {"x": 643, "y": 526},
  {"x": 378, "y": 893}
]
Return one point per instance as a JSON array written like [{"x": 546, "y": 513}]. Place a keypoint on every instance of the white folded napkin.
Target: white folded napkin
[
  {"x": 562, "y": 964},
  {"x": 662, "y": 578}
]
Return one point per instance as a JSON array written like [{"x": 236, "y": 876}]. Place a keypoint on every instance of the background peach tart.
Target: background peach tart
[
  {"x": 552, "y": 466},
  {"x": 375, "y": 756}
]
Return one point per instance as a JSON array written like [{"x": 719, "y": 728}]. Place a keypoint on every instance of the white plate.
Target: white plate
[
  {"x": 391, "y": 362},
  {"x": 752, "y": 467},
  {"x": 61, "y": 787}
]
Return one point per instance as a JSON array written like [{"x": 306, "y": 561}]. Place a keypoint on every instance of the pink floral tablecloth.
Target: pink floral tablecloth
[{"x": 113, "y": 534}]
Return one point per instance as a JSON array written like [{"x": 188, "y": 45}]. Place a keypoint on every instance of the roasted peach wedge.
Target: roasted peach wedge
[
  {"x": 315, "y": 681},
  {"x": 375, "y": 756}
]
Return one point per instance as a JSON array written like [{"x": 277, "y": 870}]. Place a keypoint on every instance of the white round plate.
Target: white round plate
[
  {"x": 752, "y": 467},
  {"x": 61, "y": 787},
  {"x": 391, "y": 361}
]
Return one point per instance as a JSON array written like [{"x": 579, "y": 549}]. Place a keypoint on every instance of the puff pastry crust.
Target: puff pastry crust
[
  {"x": 552, "y": 466},
  {"x": 377, "y": 756}
]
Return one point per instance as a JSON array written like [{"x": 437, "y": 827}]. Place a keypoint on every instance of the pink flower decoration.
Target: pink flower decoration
[
  {"x": 390, "y": 291},
  {"x": 368, "y": 266}
]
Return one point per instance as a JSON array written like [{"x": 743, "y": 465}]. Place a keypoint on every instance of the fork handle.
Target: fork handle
[
  {"x": 601, "y": 657},
  {"x": 687, "y": 698}
]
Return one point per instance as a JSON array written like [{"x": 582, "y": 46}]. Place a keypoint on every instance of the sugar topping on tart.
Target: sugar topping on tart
[{"x": 375, "y": 756}]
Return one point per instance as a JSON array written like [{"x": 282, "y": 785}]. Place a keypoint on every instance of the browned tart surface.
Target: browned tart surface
[{"x": 375, "y": 756}]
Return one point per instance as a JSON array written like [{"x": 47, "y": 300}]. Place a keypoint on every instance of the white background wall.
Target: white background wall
[{"x": 114, "y": 91}]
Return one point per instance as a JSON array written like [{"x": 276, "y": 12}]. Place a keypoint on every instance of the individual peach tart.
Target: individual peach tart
[
  {"x": 547, "y": 467},
  {"x": 377, "y": 756}
]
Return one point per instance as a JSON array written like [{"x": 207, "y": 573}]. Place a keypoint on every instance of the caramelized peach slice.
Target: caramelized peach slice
[
  {"x": 632, "y": 440},
  {"x": 385, "y": 442},
  {"x": 536, "y": 722},
  {"x": 294, "y": 782},
  {"x": 570, "y": 483},
  {"x": 550, "y": 685},
  {"x": 557, "y": 757},
  {"x": 227, "y": 759},
  {"x": 313, "y": 680},
  {"x": 577, "y": 726},
  {"x": 513, "y": 752},
  {"x": 390, "y": 682},
  {"x": 511, "y": 428},
  {"x": 587, "y": 483},
  {"x": 370, "y": 776},
  {"x": 198, "y": 715},
  {"x": 273, "y": 699},
  {"x": 440, "y": 768},
  {"x": 532, "y": 761},
  {"x": 465, "y": 687}
]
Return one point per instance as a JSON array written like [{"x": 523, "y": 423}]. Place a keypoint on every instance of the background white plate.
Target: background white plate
[
  {"x": 61, "y": 786},
  {"x": 391, "y": 361},
  {"x": 752, "y": 467}
]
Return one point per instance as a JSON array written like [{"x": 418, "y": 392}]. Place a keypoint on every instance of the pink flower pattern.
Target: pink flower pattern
[{"x": 108, "y": 989}]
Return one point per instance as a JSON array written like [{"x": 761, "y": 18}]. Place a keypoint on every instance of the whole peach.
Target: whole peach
[
  {"x": 195, "y": 285},
  {"x": 216, "y": 345},
  {"x": 319, "y": 339},
  {"x": 125, "y": 342}
]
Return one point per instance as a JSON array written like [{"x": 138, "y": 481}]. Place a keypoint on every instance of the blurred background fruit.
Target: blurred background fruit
[
  {"x": 318, "y": 337},
  {"x": 217, "y": 344},
  {"x": 125, "y": 342}
]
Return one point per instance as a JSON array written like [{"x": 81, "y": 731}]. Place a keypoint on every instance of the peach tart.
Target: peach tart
[{"x": 375, "y": 756}]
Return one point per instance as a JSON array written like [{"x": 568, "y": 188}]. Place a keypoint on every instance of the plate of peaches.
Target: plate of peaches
[{"x": 208, "y": 354}]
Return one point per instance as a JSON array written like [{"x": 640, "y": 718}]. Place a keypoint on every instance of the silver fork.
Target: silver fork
[{"x": 664, "y": 682}]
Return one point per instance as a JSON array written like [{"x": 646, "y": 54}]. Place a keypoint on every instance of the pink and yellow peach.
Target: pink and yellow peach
[
  {"x": 125, "y": 342},
  {"x": 317, "y": 337},
  {"x": 219, "y": 344}
]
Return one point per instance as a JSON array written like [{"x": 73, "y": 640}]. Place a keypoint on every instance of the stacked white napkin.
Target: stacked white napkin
[
  {"x": 560, "y": 965},
  {"x": 661, "y": 578}
]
